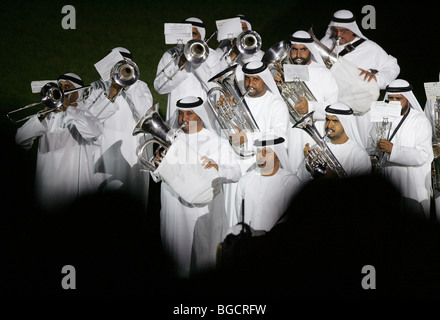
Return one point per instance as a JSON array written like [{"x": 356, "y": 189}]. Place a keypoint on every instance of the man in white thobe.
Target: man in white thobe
[
  {"x": 192, "y": 79},
  {"x": 375, "y": 63},
  {"x": 67, "y": 139},
  {"x": 267, "y": 191},
  {"x": 343, "y": 141},
  {"x": 119, "y": 110},
  {"x": 191, "y": 232},
  {"x": 409, "y": 151},
  {"x": 321, "y": 83},
  {"x": 270, "y": 114}
]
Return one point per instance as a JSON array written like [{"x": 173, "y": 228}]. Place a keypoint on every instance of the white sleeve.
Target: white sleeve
[
  {"x": 139, "y": 99},
  {"x": 418, "y": 154},
  {"x": 87, "y": 125},
  {"x": 29, "y": 131},
  {"x": 387, "y": 67},
  {"x": 331, "y": 92},
  {"x": 162, "y": 84},
  {"x": 207, "y": 70},
  {"x": 228, "y": 167}
]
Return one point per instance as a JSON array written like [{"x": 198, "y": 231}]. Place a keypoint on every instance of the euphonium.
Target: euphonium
[
  {"x": 290, "y": 91},
  {"x": 232, "y": 115},
  {"x": 321, "y": 159},
  {"x": 161, "y": 133}
]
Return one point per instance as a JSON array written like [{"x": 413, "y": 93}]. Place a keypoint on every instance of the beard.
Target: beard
[{"x": 302, "y": 61}]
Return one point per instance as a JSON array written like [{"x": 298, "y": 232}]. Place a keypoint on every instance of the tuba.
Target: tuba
[
  {"x": 51, "y": 97},
  {"x": 290, "y": 91},
  {"x": 232, "y": 115},
  {"x": 321, "y": 159},
  {"x": 124, "y": 73}
]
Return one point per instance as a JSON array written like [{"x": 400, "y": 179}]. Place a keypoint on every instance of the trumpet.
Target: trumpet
[
  {"x": 322, "y": 158},
  {"x": 195, "y": 51},
  {"x": 232, "y": 115},
  {"x": 290, "y": 91},
  {"x": 124, "y": 73},
  {"x": 51, "y": 97},
  {"x": 247, "y": 42}
]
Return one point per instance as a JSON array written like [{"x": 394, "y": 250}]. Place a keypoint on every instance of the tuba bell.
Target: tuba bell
[
  {"x": 322, "y": 158},
  {"x": 290, "y": 91},
  {"x": 232, "y": 115}
]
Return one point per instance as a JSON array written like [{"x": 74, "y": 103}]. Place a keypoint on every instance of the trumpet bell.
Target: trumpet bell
[
  {"x": 196, "y": 51},
  {"x": 125, "y": 73},
  {"x": 249, "y": 42}
]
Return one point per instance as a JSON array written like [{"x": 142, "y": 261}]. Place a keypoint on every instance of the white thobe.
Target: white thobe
[
  {"x": 181, "y": 222},
  {"x": 190, "y": 81},
  {"x": 370, "y": 56},
  {"x": 409, "y": 164},
  {"x": 352, "y": 157},
  {"x": 323, "y": 85},
  {"x": 64, "y": 159},
  {"x": 116, "y": 160},
  {"x": 266, "y": 198},
  {"x": 272, "y": 117}
]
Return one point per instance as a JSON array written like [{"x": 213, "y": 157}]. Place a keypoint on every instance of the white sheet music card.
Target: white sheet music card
[
  {"x": 105, "y": 65},
  {"x": 432, "y": 90},
  {"x": 177, "y": 32},
  {"x": 228, "y": 28},
  {"x": 294, "y": 72},
  {"x": 381, "y": 109},
  {"x": 37, "y": 85}
]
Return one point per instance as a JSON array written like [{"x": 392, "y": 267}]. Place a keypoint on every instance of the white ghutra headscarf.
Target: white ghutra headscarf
[
  {"x": 345, "y": 19},
  {"x": 403, "y": 87}
]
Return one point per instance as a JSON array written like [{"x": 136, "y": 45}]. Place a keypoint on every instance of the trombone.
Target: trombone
[
  {"x": 247, "y": 42},
  {"x": 51, "y": 96},
  {"x": 195, "y": 51},
  {"x": 124, "y": 73}
]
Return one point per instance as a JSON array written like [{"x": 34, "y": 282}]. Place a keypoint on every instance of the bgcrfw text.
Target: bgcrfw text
[
  {"x": 239, "y": 309},
  {"x": 69, "y": 280},
  {"x": 369, "y": 280},
  {"x": 69, "y": 20}
]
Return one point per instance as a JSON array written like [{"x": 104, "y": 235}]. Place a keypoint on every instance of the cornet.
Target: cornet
[
  {"x": 124, "y": 73},
  {"x": 51, "y": 97}
]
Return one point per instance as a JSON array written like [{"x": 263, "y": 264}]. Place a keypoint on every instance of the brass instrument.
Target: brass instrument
[
  {"x": 162, "y": 135},
  {"x": 124, "y": 73},
  {"x": 235, "y": 114},
  {"x": 328, "y": 56},
  {"x": 290, "y": 91},
  {"x": 321, "y": 159},
  {"x": 247, "y": 42},
  {"x": 378, "y": 158},
  {"x": 436, "y": 146},
  {"x": 51, "y": 96},
  {"x": 195, "y": 51}
]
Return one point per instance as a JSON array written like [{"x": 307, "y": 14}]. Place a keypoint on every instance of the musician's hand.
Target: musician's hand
[
  {"x": 238, "y": 138},
  {"x": 303, "y": 106},
  {"x": 182, "y": 61},
  {"x": 114, "y": 89},
  {"x": 159, "y": 157},
  {"x": 208, "y": 163},
  {"x": 222, "y": 101},
  {"x": 278, "y": 78},
  {"x": 307, "y": 150},
  {"x": 368, "y": 75},
  {"x": 385, "y": 146}
]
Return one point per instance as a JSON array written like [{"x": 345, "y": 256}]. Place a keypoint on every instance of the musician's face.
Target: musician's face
[
  {"x": 196, "y": 34},
  {"x": 244, "y": 26},
  {"x": 400, "y": 98},
  {"x": 333, "y": 124},
  {"x": 300, "y": 54},
  {"x": 69, "y": 99},
  {"x": 193, "y": 121},
  {"x": 257, "y": 83},
  {"x": 267, "y": 161},
  {"x": 345, "y": 34}
]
